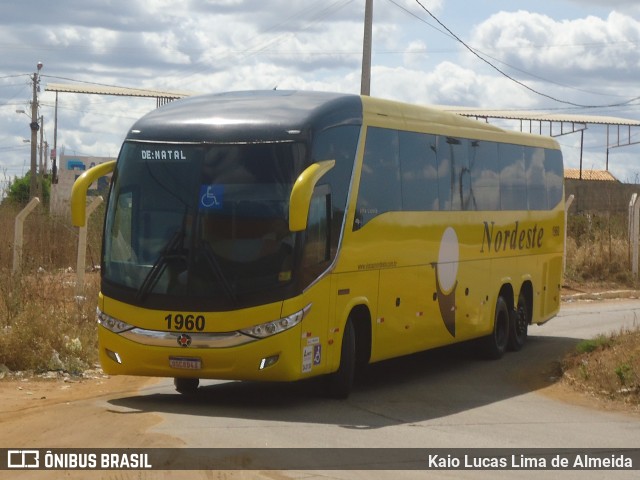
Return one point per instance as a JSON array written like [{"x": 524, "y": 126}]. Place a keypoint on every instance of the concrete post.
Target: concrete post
[
  {"x": 567, "y": 206},
  {"x": 18, "y": 234},
  {"x": 634, "y": 232},
  {"x": 82, "y": 247}
]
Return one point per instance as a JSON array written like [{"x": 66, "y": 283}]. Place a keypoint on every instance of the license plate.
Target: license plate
[{"x": 185, "y": 363}]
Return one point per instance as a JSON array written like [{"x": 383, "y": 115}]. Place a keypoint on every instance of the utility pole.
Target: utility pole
[
  {"x": 33, "y": 189},
  {"x": 365, "y": 82},
  {"x": 41, "y": 169},
  {"x": 54, "y": 153}
]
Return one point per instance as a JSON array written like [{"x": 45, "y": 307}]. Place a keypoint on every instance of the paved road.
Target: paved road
[{"x": 440, "y": 399}]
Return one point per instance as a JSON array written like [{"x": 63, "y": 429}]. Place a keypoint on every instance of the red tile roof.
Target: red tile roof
[{"x": 597, "y": 175}]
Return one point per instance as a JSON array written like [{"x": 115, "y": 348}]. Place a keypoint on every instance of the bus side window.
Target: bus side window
[
  {"x": 445, "y": 174},
  {"x": 380, "y": 177},
  {"x": 513, "y": 185},
  {"x": 485, "y": 174},
  {"x": 536, "y": 182},
  {"x": 458, "y": 153},
  {"x": 554, "y": 176},
  {"x": 419, "y": 171},
  {"x": 318, "y": 241}
]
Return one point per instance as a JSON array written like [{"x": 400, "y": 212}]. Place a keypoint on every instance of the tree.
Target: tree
[{"x": 18, "y": 191}]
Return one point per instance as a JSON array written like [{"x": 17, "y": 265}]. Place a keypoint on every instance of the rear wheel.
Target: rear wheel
[
  {"x": 519, "y": 325},
  {"x": 340, "y": 383},
  {"x": 186, "y": 386},
  {"x": 496, "y": 344}
]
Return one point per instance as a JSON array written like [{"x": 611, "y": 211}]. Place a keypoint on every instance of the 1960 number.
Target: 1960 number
[{"x": 185, "y": 322}]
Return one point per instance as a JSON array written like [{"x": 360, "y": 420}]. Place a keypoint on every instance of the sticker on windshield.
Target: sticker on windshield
[{"x": 211, "y": 197}]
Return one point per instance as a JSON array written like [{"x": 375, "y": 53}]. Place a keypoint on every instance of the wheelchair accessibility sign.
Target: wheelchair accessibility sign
[{"x": 211, "y": 197}]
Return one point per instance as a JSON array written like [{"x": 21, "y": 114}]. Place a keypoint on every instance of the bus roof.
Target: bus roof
[
  {"x": 438, "y": 121},
  {"x": 284, "y": 115},
  {"x": 247, "y": 116}
]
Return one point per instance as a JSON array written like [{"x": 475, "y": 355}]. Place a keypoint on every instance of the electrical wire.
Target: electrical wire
[
  {"x": 16, "y": 75},
  {"x": 509, "y": 77},
  {"x": 445, "y": 33},
  {"x": 314, "y": 16}
]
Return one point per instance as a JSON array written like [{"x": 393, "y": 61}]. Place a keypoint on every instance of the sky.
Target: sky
[{"x": 565, "y": 56}]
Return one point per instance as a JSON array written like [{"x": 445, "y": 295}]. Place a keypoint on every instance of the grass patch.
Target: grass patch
[
  {"x": 588, "y": 346},
  {"x": 43, "y": 325},
  {"x": 607, "y": 366},
  {"x": 598, "y": 251}
]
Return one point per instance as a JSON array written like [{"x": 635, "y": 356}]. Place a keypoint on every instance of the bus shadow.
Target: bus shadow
[{"x": 411, "y": 389}]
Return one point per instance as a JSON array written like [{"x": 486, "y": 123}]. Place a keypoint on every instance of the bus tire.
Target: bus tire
[
  {"x": 519, "y": 325},
  {"x": 496, "y": 343},
  {"x": 339, "y": 384},
  {"x": 186, "y": 386}
]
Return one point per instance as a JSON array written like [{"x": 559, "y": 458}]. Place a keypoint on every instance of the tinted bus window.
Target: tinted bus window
[
  {"x": 554, "y": 175},
  {"x": 536, "y": 181},
  {"x": 460, "y": 175},
  {"x": 339, "y": 144},
  {"x": 445, "y": 174},
  {"x": 513, "y": 186},
  {"x": 419, "y": 171},
  {"x": 380, "y": 177},
  {"x": 485, "y": 174}
]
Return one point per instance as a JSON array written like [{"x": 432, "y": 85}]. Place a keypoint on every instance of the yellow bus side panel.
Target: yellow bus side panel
[{"x": 414, "y": 308}]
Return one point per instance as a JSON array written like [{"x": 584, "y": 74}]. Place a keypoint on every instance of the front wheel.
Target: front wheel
[
  {"x": 339, "y": 384},
  {"x": 495, "y": 344},
  {"x": 186, "y": 386}
]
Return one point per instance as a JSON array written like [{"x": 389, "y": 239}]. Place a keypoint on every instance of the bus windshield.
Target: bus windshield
[{"x": 203, "y": 221}]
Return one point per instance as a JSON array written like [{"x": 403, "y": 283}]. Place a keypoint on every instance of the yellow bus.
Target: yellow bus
[{"x": 282, "y": 235}]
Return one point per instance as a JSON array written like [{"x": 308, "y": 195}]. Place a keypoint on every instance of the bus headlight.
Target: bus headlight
[
  {"x": 112, "y": 324},
  {"x": 277, "y": 326}
]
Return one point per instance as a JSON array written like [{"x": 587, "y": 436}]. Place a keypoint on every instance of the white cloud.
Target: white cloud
[
  {"x": 576, "y": 52},
  {"x": 628, "y": 6}
]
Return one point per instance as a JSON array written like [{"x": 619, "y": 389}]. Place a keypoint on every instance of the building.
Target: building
[
  {"x": 597, "y": 191},
  {"x": 70, "y": 168}
]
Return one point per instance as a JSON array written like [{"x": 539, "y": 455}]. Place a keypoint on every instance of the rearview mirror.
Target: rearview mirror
[
  {"x": 79, "y": 191},
  {"x": 302, "y": 191}
]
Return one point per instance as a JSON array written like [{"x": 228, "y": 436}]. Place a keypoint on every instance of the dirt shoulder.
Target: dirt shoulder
[
  {"x": 573, "y": 293},
  {"x": 68, "y": 412},
  {"x": 40, "y": 412}
]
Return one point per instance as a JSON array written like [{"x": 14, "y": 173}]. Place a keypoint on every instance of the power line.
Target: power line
[
  {"x": 445, "y": 33},
  {"x": 506, "y": 75},
  {"x": 550, "y": 81},
  {"x": 315, "y": 13},
  {"x": 16, "y": 75}
]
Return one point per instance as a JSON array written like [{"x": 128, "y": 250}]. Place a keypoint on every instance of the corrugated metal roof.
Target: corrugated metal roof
[
  {"x": 540, "y": 116},
  {"x": 119, "y": 91},
  {"x": 597, "y": 175}
]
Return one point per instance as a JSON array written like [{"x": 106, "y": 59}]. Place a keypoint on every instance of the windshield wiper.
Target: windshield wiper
[
  {"x": 159, "y": 266},
  {"x": 211, "y": 259}
]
